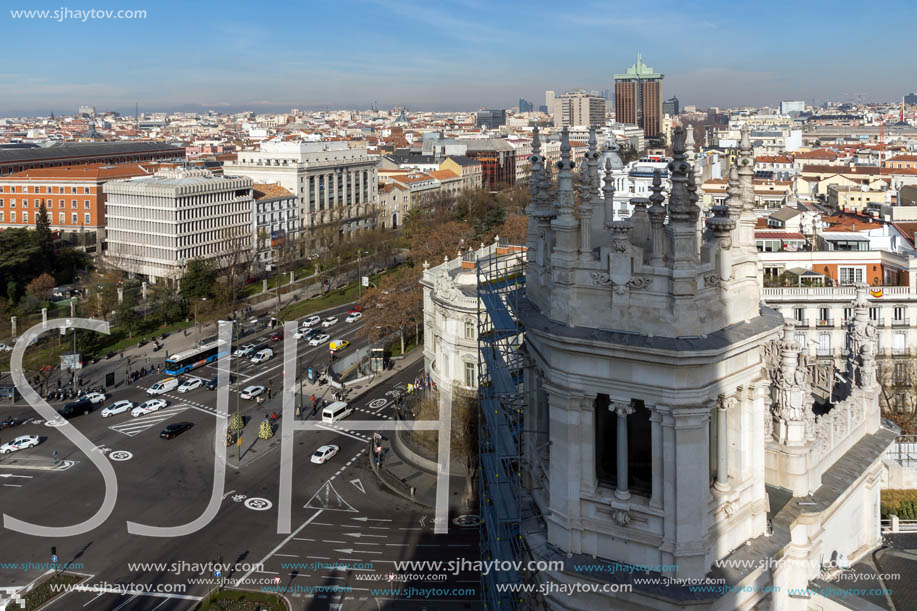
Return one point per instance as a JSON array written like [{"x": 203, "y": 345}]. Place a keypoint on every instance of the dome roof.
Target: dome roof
[{"x": 610, "y": 151}]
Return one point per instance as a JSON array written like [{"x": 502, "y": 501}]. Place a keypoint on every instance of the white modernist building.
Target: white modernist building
[
  {"x": 156, "y": 224},
  {"x": 336, "y": 184},
  {"x": 670, "y": 420}
]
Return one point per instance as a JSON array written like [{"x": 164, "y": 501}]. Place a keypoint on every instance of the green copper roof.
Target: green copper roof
[{"x": 638, "y": 70}]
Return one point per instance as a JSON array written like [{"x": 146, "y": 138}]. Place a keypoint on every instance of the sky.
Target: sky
[{"x": 271, "y": 56}]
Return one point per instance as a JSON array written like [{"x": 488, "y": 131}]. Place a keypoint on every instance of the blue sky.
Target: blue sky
[{"x": 462, "y": 55}]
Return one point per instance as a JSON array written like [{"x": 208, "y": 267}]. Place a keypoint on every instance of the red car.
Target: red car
[
  {"x": 356, "y": 308},
  {"x": 277, "y": 336}
]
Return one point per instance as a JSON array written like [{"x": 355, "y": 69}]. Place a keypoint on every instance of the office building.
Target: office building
[
  {"x": 788, "y": 107},
  {"x": 670, "y": 107},
  {"x": 578, "y": 108},
  {"x": 543, "y": 109},
  {"x": 525, "y": 105},
  {"x": 549, "y": 98},
  {"x": 336, "y": 184},
  {"x": 910, "y": 99},
  {"x": 277, "y": 223},
  {"x": 490, "y": 119},
  {"x": 72, "y": 196},
  {"x": 638, "y": 98},
  {"x": 156, "y": 224}
]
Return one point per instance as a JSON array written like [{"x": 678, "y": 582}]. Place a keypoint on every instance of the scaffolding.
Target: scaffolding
[{"x": 501, "y": 283}]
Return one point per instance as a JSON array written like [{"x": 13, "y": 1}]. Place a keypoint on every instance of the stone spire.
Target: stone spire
[
  {"x": 535, "y": 177},
  {"x": 594, "y": 165},
  {"x": 657, "y": 213},
  {"x": 608, "y": 192},
  {"x": 681, "y": 207},
  {"x": 565, "y": 181},
  {"x": 746, "y": 162},
  {"x": 733, "y": 199}
]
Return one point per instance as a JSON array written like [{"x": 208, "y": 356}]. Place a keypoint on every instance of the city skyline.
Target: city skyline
[{"x": 426, "y": 57}]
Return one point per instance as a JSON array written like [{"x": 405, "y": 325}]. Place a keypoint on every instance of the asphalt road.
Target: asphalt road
[{"x": 342, "y": 517}]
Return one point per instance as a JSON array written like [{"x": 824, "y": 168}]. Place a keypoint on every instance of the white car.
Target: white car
[
  {"x": 20, "y": 443},
  {"x": 302, "y": 332},
  {"x": 250, "y": 392},
  {"x": 149, "y": 407},
  {"x": 118, "y": 407},
  {"x": 190, "y": 384},
  {"x": 5, "y": 348},
  {"x": 311, "y": 321},
  {"x": 324, "y": 454},
  {"x": 353, "y": 317},
  {"x": 319, "y": 339},
  {"x": 330, "y": 321},
  {"x": 96, "y": 397},
  {"x": 244, "y": 350}
]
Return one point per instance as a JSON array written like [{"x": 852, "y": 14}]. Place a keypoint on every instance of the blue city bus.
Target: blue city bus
[{"x": 188, "y": 360}]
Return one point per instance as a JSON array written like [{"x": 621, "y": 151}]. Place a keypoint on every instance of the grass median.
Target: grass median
[
  {"x": 44, "y": 591},
  {"x": 237, "y": 600}
]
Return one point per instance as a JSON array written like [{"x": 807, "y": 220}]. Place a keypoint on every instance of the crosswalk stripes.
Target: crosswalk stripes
[
  {"x": 135, "y": 426},
  {"x": 193, "y": 404}
]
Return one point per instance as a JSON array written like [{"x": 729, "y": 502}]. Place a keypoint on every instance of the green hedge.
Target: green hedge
[{"x": 902, "y": 503}]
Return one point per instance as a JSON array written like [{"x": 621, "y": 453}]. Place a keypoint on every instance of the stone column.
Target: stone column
[
  {"x": 691, "y": 482},
  {"x": 143, "y": 290},
  {"x": 722, "y": 445},
  {"x": 587, "y": 445},
  {"x": 13, "y": 326},
  {"x": 656, "y": 441},
  {"x": 120, "y": 295},
  {"x": 291, "y": 277},
  {"x": 623, "y": 409},
  {"x": 44, "y": 316},
  {"x": 73, "y": 308},
  {"x": 264, "y": 285}
]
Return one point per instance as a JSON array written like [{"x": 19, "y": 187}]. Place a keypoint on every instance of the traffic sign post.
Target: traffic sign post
[{"x": 55, "y": 457}]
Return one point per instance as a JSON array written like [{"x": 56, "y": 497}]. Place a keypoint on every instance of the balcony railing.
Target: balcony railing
[
  {"x": 834, "y": 291},
  {"x": 901, "y": 322},
  {"x": 801, "y": 323},
  {"x": 826, "y": 322}
]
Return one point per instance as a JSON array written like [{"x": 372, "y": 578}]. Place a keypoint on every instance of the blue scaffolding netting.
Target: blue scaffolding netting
[{"x": 501, "y": 283}]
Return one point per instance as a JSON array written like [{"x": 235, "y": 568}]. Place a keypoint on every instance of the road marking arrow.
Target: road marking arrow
[
  {"x": 376, "y": 519},
  {"x": 345, "y": 551},
  {"x": 358, "y": 484},
  {"x": 362, "y": 535}
]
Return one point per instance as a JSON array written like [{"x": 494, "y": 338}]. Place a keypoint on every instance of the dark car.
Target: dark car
[
  {"x": 76, "y": 408},
  {"x": 109, "y": 355},
  {"x": 212, "y": 383},
  {"x": 142, "y": 343},
  {"x": 174, "y": 430}
]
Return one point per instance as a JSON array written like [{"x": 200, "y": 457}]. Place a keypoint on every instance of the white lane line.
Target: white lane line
[
  {"x": 268, "y": 572},
  {"x": 287, "y": 555},
  {"x": 330, "y": 541},
  {"x": 398, "y": 544},
  {"x": 125, "y": 602},
  {"x": 302, "y": 539},
  {"x": 318, "y": 557},
  {"x": 94, "y": 599},
  {"x": 345, "y": 433},
  {"x": 160, "y": 604},
  {"x": 13, "y": 485},
  {"x": 279, "y": 545}
]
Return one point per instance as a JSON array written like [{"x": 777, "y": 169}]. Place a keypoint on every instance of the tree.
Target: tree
[
  {"x": 41, "y": 287},
  {"x": 126, "y": 314},
  {"x": 515, "y": 228},
  {"x": 12, "y": 291},
  {"x": 199, "y": 279},
  {"x": 236, "y": 423},
  {"x": 266, "y": 431},
  {"x": 44, "y": 238}
]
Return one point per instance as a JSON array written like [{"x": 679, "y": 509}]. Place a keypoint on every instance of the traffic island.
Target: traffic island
[
  {"x": 47, "y": 588},
  {"x": 240, "y": 600}
]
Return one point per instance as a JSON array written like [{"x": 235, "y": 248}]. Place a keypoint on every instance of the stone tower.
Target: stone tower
[{"x": 645, "y": 340}]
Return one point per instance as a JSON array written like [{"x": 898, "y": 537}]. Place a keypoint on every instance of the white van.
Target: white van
[
  {"x": 262, "y": 355},
  {"x": 163, "y": 386},
  {"x": 336, "y": 411}
]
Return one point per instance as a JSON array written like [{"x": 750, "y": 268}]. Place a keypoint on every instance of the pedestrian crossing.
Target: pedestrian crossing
[
  {"x": 202, "y": 407},
  {"x": 135, "y": 426}
]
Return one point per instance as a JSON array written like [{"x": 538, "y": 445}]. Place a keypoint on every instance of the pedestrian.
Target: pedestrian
[
  {"x": 273, "y": 416},
  {"x": 313, "y": 399}
]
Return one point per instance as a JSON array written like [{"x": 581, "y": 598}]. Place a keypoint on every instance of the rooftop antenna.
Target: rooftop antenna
[{"x": 136, "y": 116}]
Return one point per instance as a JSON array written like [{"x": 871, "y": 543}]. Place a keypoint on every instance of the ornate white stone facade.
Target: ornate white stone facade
[{"x": 665, "y": 404}]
